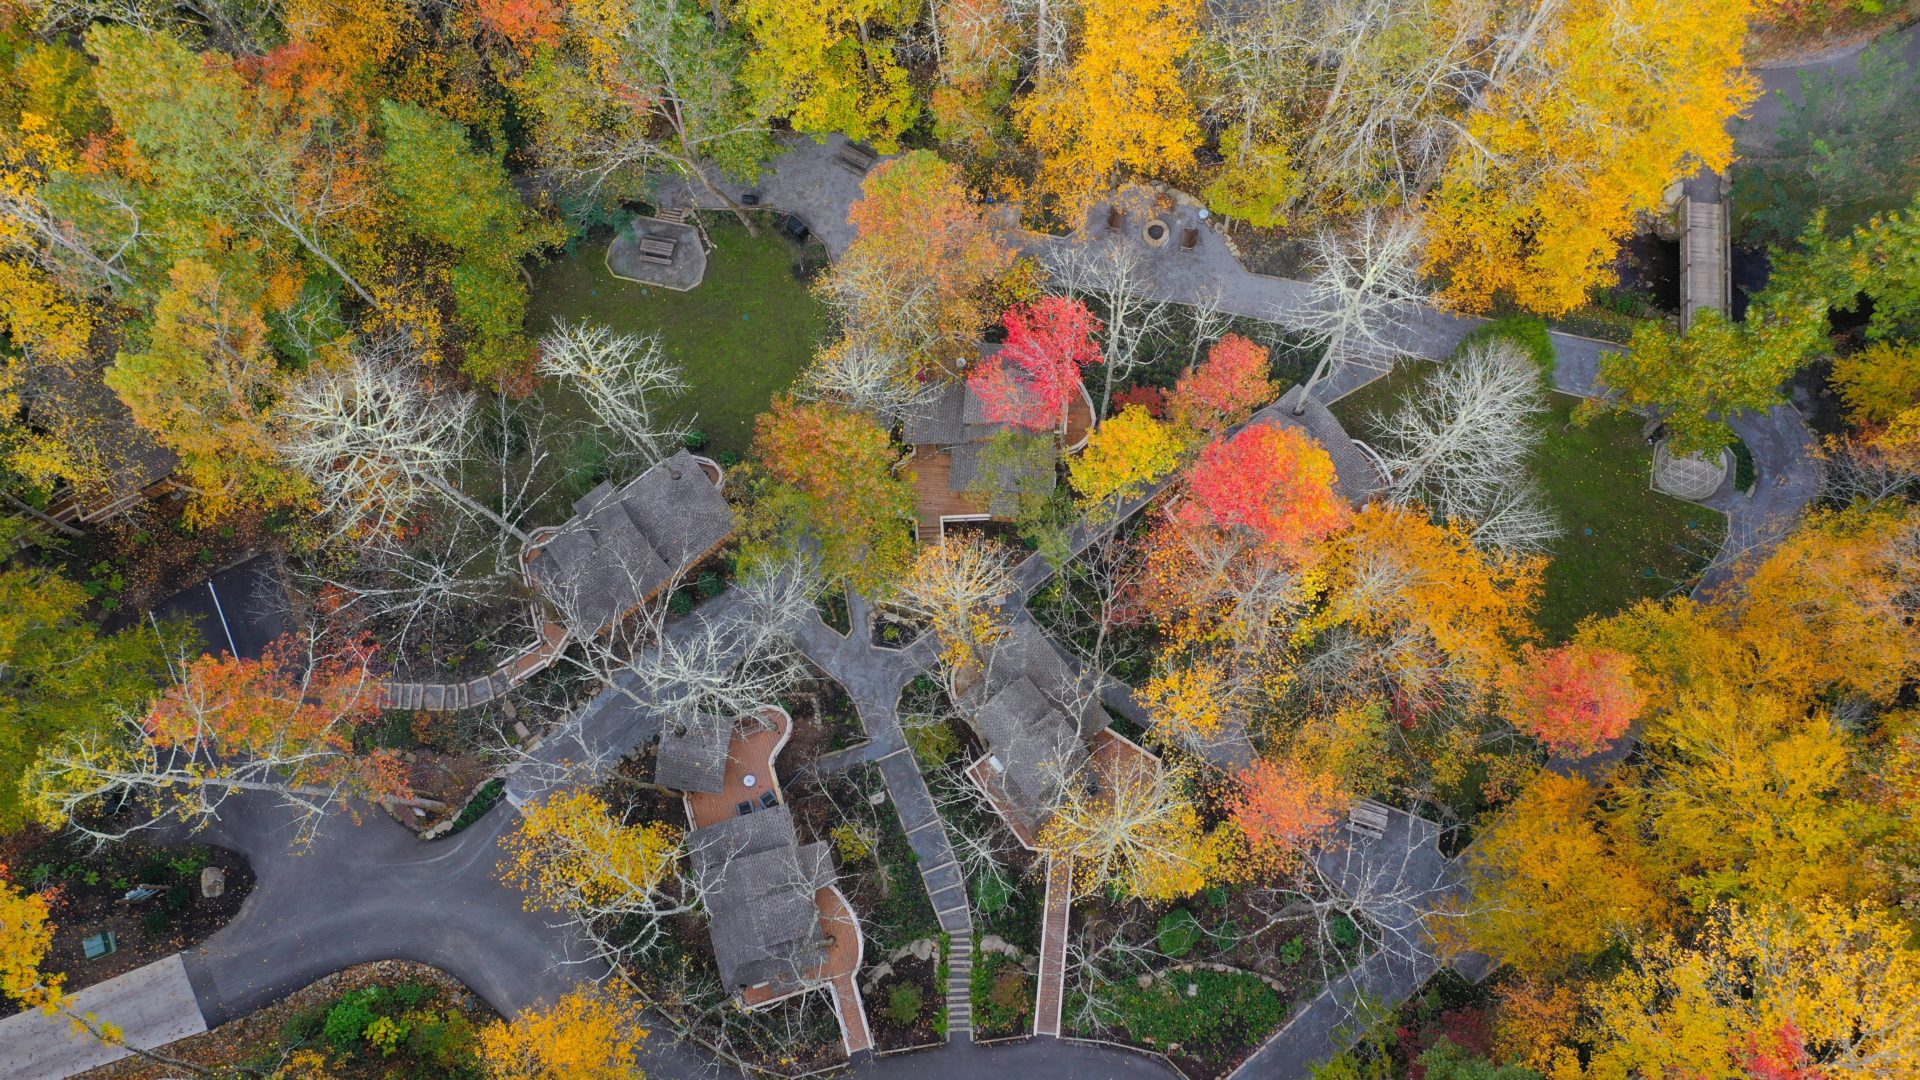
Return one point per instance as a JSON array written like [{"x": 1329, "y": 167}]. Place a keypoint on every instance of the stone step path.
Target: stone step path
[
  {"x": 1053, "y": 948},
  {"x": 960, "y": 988}
]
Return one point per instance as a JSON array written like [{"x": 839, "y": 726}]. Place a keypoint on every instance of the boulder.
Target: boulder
[
  {"x": 1143, "y": 981},
  {"x": 1193, "y": 989},
  {"x": 875, "y": 976},
  {"x": 924, "y": 949},
  {"x": 213, "y": 882},
  {"x": 1031, "y": 963}
]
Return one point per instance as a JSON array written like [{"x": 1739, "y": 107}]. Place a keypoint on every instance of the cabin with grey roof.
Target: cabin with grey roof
[
  {"x": 623, "y": 546},
  {"x": 758, "y": 884}
]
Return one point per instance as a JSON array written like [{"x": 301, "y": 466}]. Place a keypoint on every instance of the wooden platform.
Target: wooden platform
[
  {"x": 933, "y": 499},
  {"x": 1053, "y": 948},
  {"x": 1705, "y": 260}
]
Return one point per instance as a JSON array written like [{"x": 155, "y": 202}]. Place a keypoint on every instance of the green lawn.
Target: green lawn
[
  {"x": 742, "y": 334},
  {"x": 1622, "y": 540}
]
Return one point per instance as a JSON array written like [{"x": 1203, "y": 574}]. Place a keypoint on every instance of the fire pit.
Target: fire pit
[{"x": 1156, "y": 233}]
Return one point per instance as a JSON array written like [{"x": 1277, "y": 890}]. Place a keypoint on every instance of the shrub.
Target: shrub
[
  {"x": 350, "y": 1017},
  {"x": 992, "y": 892},
  {"x": 1293, "y": 950},
  {"x": 1346, "y": 933},
  {"x": 157, "y": 920},
  {"x": 1525, "y": 331},
  {"x": 303, "y": 1026},
  {"x": 483, "y": 800},
  {"x": 386, "y": 1033},
  {"x": 1179, "y": 932},
  {"x": 409, "y": 994},
  {"x": 850, "y": 842},
  {"x": 696, "y": 440},
  {"x": 446, "y": 1040},
  {"x": 933, "y": 741},
  {"x": 903, "y": 1004}
]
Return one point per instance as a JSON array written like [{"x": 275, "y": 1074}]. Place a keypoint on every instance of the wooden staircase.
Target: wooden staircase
[
  {"x": 677, "y": 216},
  {"x": 960, "y": 987}
]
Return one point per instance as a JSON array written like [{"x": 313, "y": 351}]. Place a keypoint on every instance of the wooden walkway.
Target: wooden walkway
[
  {"x": 1053, "y": 948},
  {"x": 1705, "y": 260},
  {"x": 960, "y": 988}
]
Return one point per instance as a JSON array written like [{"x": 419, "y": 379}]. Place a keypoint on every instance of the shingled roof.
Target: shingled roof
[
  {"x": 1357, "y": 479},
  {"x": 1035, "y": 716},
  {"x": 623, "y": 546},
  {"x": 758, "y": 884},
  {"x": 693, "y": 753}
]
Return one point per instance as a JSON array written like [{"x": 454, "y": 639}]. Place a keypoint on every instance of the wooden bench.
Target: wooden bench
[
  {"x": 1368, "y": 818},
  {"x": 655, "y": 250},
  {"x": 1115, "y": 219},
  {"x": 855, "y": 160},
  {"x": 1189, "y": 240}
]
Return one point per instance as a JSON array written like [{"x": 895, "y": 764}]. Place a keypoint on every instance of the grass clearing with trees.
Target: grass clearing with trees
[
  {"x": 742, "y": 334},
  {"x": 1621, "y": 540}
]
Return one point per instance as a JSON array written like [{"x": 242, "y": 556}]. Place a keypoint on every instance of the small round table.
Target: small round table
[{"x": 749, "y": 780}]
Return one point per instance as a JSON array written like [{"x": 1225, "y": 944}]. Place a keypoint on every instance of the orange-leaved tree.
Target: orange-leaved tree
[
  {"x": 1577, "y": 700},
  {"x": 591, "y": 1033},
  {"x": 283, "y": 725},
  {"x": 1271, "y": 479},
  {"x": 1035, "y": 376},
  {"x": 1458, "y": 611},
  {"x": 1224, "y": 389},
  {"x": 920, "y": 276},
  {"x": 1284, "y": 808}
]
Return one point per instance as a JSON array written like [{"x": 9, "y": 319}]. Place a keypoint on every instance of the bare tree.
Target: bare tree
[
  {"x": 1462, "y": 445},
  {"x": 1365, "y": 288},
  {"x": 1115, "y": 276},
  {"x": 871, "y": 377},
  {"x": 375, "y": 442},
  {"x": 622, "y": 377}
]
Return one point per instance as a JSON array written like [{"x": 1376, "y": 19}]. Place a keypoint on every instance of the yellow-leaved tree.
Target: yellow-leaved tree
[
  {"x": 1137, "y": 830},
  {"x": 1549, "y": 889},
  {"x": 1119, "y": 105},
  {"x": 1618, "y": 99},
  {"x": 1820, "y": 991},
  {"x": 1123, "y": 458},
  {"x": 591, "y": 1033},
  {"x": 571, "y": 855}
]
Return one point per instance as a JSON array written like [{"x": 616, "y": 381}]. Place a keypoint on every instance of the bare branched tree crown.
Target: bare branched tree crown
[
  {"x": 1365, "y": 287},
  {"x": 623, "y": 378}
]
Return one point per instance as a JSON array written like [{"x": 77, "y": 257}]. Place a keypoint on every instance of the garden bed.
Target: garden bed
[
  {"x": 432, "y": 1019},
  {"x": 1002, "y": 995},
  {"x": 85, "y": 890},
  {"x": 822, "y": 705},
  {"x": 904, "y": 1008},
  {"x": 1206, "y": 1022}
]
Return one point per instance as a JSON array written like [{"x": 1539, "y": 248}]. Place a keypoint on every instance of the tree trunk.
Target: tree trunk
[
  {"x": 471, "y": 503},
  {"x": 64, "y": 528}
]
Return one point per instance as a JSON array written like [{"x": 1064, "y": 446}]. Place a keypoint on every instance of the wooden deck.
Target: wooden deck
[
  {"x": 932, "y": 469},
  {"x": 751, "y": 753}
]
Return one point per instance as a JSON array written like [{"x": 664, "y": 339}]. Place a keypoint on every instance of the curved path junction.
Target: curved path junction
[{"x": 369, "y": 890}]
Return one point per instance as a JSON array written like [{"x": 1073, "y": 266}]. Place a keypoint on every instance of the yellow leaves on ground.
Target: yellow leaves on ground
[
  {"x": 570, "y": 851},
  {"x": 590, "y": 1034}
]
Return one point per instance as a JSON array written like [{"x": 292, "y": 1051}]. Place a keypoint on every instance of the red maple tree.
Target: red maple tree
[
  {"x": 1282, "y": 808},
  {"x": 1035, "y": 375},
  {"x": 1576, "y": 699},
  {"x": 1272, "y": 479}
]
